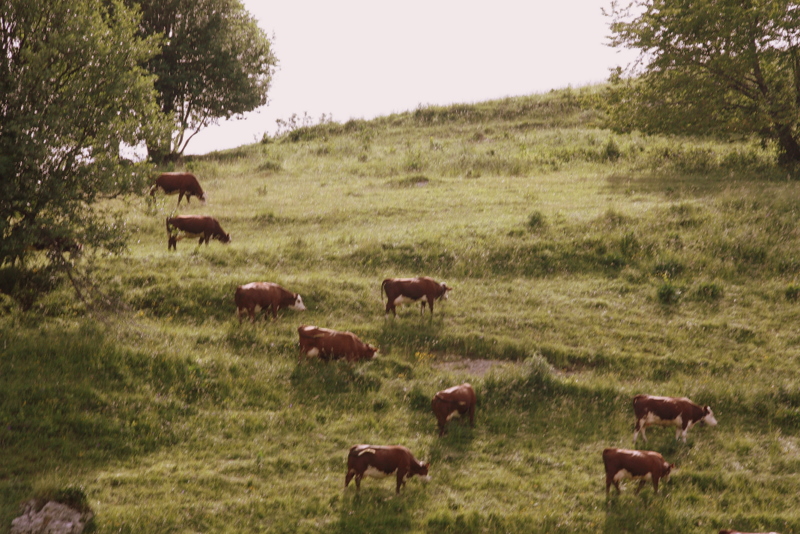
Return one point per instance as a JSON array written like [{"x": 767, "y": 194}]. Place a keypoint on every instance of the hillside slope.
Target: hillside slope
[{"x": 586, "y": 267}]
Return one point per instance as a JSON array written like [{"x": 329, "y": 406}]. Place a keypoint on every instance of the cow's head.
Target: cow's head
[
  {"x": 371, "y": 351},
  {"x": 203, "y": 197},
  {"x": 667, "y": 470},
  {"x": 445, "y": 289},
  {"x": 224, "y": 238},
  {"x": 298, "y": 304},
  {"x": 421, "y": 470},
  {"x": 708, "y": 417}
]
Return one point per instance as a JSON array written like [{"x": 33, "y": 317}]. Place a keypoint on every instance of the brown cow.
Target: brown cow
[
  {"x": 331, "y": 344},
  {"x": 183, "y": 183},
  {"x": 406, "y": 290},
  {"x": 727, "y": 531},
  {"x": 380, "y": 461},
  {"x": 451, "y": 401},
  {"x": 194, "y": 226},
  {"x": 642, "y": 465},
  {"x": 257, "y": 296},
  {"x": 669, "y": 411}
]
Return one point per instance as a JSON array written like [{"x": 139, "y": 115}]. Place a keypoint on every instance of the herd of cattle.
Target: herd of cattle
[{"x": 381, "y": 461}]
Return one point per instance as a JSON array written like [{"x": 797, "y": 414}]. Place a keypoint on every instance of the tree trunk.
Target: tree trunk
[{"x": 789, "y": 147}]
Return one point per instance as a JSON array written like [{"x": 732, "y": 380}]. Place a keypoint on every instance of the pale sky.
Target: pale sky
[{"x": 366, "y": 58}]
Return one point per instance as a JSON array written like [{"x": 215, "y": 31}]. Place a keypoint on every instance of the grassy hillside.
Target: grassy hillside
[{"x": 587, "y": 267}]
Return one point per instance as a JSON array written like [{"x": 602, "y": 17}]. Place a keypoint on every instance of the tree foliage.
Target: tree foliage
[
  {"x": 215, "y": 63},
  {"x": 71, "y": 90},
  {"x": 710, "y": 67}
]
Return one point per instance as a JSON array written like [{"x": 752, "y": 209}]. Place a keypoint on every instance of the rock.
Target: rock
[{"x": 52, "y": 518}]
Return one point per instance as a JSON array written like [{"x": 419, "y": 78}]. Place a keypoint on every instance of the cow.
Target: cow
[
  {"x": 250, "y": 298},
  {"x": 183, "y": 183},
  {"x": 641, "y": 465},
  {"x": 669, "y": 411},
  {"x": 458, "y": 400},
  {"x": 728, "y": 531},
  {"x": 380, "y": 461},
  {"x": 332, "y": 344},
  {"x": 406, "y": 290},
  {"x": 194, "y": 226}
]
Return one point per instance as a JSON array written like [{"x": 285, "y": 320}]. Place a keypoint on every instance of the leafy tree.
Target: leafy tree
[
  {"x": 710, "y": 67},
  {"x": 71, "y": 90},
  {"x": 215, "y": 63}
]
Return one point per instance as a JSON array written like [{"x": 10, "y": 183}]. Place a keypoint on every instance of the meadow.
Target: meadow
[{"x": 586, "y": 267}]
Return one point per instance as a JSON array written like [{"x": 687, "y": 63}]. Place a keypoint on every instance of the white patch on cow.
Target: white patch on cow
[
  {"x": 257, "y": 308},
  {"x": 652, "y": 419},
  {"x": 405, "y": 300},
  {"x": 453, "y": 414},
  {"x": 365, "y": 451},
  {"x": 313, "y": 352},
  {"x": 375, "y": 473},
  {"x": 624, "y": 473},
  {"x": 298, "y": 304}
]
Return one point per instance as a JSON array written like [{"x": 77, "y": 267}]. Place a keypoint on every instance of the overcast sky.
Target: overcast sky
[{"x": 366, "y": 58}]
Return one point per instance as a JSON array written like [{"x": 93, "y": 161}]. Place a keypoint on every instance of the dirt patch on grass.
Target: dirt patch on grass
[{"x": 473, "y": 367}]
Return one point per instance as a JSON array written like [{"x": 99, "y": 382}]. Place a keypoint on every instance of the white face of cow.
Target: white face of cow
[
  {"x": 709, "y": 418},
  {"x": 298, "y": 304},
  {"x": 446, "y": 291}
]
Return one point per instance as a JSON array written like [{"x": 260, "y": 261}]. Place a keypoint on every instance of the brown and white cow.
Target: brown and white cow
[
  {"x": 183, "y": 183},
  {"x": 406, "y": 290},
  {"x": 194, "y": 226},
  {"x": 638, "y": 465},
  {"x": 728, "y": 531},
  {"x": 331, "y": 344},
  {"x": 380, "y": 461},
  {"x": 255, "y": 296},
  {"x": 457, "y": 400},
  {"x": 681, "y": 413}
]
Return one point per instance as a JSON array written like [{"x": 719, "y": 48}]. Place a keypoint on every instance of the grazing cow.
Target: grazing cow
[
  {"x": 183, "y": 183},
  {"x": 406, "y": 290},
  {"x": 194, "y": 226},
  {"x": 641, "y": 465},
  {"x": 331, "y": 344},
  {"x": 257, "y": 296},
  {"x": 451, "y": 401},
  {"x": 379, "y": 461},
  {"x": 727, "y": 531},
  {"x": 669, "y": 411}
]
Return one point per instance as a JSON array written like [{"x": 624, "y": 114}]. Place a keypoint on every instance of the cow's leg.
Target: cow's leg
[
  {"x": 274, "y": 312},
  {"x": 472, "y": 414},
  {"x": 358, "y": 481},
  {"x": 349, "y": 477},
  {"x": 636, "y": 429},
  {"x": 644, "y": 436},
  {"x": 655, "y": 484},
  {"x": 642, "y": 482},
  {"x": 172, "y": 242},
  {"x": 401, "y": 475}
]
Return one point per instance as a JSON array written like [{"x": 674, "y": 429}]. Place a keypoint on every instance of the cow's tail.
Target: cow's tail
[{"x": 383, "y": 288}]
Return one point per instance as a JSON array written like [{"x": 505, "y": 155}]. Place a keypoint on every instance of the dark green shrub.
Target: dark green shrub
[
  {"x": 537, "y": 221},
  {"x": 793, "y": 293},
  {"x": 668, "y": 293}
]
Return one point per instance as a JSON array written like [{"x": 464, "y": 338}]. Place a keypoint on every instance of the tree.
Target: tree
[
  {"x": 215, "y": 63},
  {"x": 710, "y": 67},
  {"x": 71, "y": 90}
]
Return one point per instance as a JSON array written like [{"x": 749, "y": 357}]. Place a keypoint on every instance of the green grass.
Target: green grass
[{"x": 587, "y": 267}]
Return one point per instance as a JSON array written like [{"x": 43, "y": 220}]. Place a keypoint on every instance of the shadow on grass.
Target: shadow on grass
[{"x": 376, "y": 507}]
